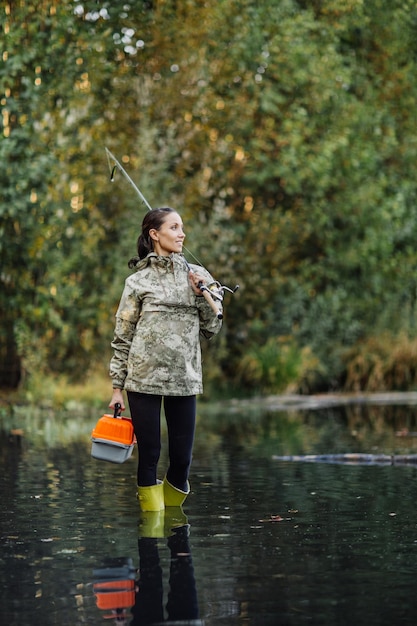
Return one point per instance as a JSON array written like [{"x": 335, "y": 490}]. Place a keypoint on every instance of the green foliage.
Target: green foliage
[
  {"x": 53, "y": 238},
  {"x": 276, "y": 366},
  {"x": 283, "y": 132}
]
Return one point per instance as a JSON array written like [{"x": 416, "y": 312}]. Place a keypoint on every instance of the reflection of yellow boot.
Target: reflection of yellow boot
[
  {"x": 152, "y": 524},
  {"x": 151, "y": 498},
  {"x": 174, "y": 518},
  {"x": 174, "y": 496}
]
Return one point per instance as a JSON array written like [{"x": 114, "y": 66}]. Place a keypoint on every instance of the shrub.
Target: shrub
[{"x": 382, "y": 363}]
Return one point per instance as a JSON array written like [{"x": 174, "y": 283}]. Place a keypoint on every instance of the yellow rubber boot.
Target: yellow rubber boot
[
  {"x": 151, "y": 498},
  {"x": 174, "y": 496}
]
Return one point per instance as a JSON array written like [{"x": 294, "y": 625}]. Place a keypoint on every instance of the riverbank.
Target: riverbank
[
  {"x": 297, "y": 402},
  {"x": 95, "y": 393}
]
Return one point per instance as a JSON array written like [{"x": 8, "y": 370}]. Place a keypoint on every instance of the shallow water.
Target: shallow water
[{"x": 265, "y": 542}]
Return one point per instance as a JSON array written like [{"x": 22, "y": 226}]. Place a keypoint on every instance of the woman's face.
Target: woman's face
[{"x": 170, "y": 237}]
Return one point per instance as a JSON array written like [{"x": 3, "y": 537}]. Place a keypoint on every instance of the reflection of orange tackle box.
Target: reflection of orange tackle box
[
  {"x": 113, "y": 438},
  {"x": 117, "y": 594},
  {"x": 114, "y": 586}
]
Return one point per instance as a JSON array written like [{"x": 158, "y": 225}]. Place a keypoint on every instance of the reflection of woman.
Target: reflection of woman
[
  {"x": 157, "y": 354},
  {"x": 182, "y": 605}
]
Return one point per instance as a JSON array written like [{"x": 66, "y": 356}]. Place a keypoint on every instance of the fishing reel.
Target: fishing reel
[
  {"x": 217, "y": 290},
  {"x": 214, "y": 291}
]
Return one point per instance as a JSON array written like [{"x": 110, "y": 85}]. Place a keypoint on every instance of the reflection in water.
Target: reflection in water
[
  {"x": 114, "y": 588},
  {"x": 117, "y": 591},
  {"x": 182, "y": 596}
]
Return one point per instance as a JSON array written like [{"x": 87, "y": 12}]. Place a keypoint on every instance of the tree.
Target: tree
[{"x": 283, "y": 132}]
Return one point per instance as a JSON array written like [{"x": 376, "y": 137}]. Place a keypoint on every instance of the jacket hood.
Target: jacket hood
[{"x": 161, "y": 261}]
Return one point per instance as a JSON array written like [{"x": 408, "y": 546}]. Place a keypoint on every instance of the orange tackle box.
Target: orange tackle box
[{"x": 113, "y": 438}]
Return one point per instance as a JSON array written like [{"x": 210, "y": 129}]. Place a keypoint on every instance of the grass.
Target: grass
[
  {"x": 48, "y": 391},
  {"x": 385, "y": 362}
]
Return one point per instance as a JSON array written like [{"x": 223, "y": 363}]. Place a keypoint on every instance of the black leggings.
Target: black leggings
[{"x": 180, "y": 412}]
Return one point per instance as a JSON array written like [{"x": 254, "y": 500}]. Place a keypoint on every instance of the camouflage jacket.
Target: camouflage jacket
[{"x": 158, "y": 326}]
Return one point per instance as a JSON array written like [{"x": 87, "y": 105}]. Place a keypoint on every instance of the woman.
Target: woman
[{"x": 157, "y": 354}]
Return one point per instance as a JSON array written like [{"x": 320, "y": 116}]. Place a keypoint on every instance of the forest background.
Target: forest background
[{"x": 283, "y": 131}]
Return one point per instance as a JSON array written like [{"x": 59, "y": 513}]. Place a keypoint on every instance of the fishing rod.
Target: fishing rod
[{"x": 208, "y": 293}]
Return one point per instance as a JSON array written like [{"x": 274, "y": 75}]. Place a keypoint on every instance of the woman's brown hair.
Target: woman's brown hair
[{"x": 152, "y": 220}]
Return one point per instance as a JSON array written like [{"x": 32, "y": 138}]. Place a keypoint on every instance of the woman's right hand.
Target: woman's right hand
[
  {"x": 117, "y": 397},
  {"x": 195, "y": 281}
]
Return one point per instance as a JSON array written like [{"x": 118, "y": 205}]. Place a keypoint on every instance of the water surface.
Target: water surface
[{"x": 264, "y": 542}]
